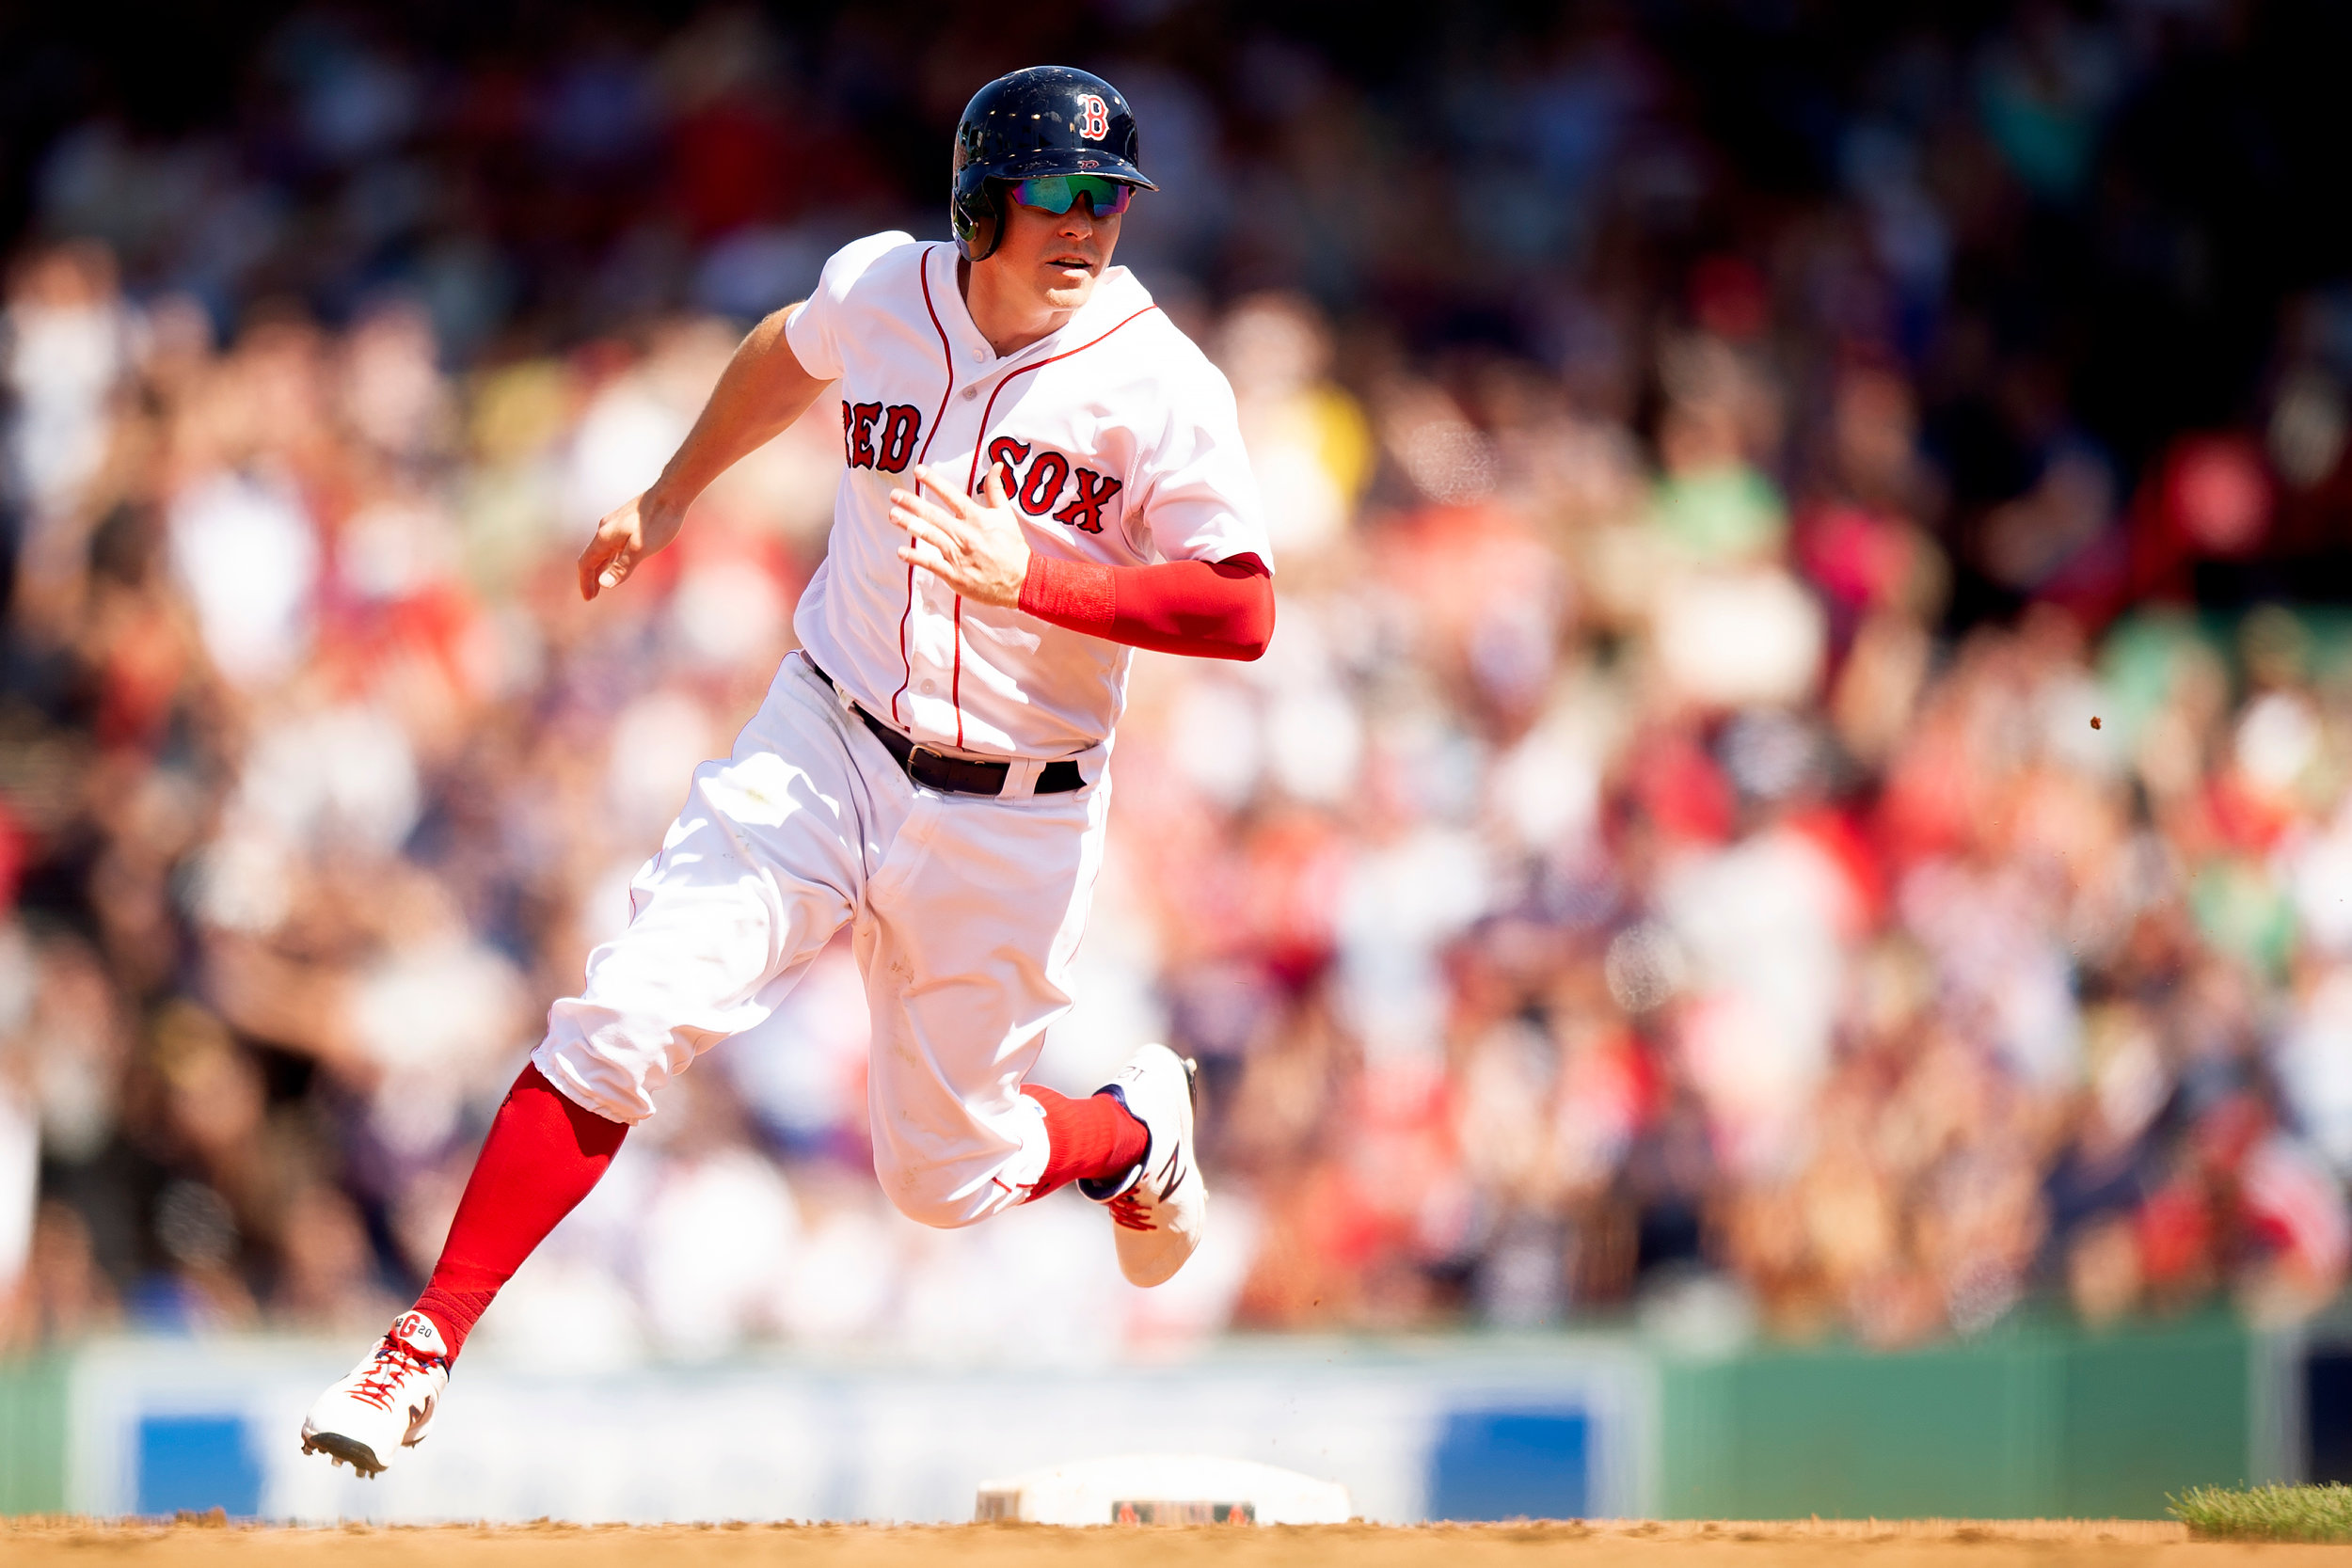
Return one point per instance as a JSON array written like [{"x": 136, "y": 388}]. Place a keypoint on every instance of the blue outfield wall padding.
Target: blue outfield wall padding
[
  {"x": 198, "y": 1462},
  {"x": 1512, "y": 1463}
]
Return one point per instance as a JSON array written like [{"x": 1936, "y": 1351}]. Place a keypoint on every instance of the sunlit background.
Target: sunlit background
[{"x": 1800, "y": 794}]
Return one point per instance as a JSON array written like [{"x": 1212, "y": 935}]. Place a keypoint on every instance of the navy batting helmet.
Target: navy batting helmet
[{"x": 1047, "y": 120}]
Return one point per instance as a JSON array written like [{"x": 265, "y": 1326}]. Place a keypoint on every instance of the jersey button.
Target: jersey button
[
  {"x": 971, "y": 392},
  {"x": 929, "y": 687}
]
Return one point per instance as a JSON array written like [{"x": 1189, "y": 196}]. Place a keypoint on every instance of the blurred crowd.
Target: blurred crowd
[{"x": 1785, "y": 798}]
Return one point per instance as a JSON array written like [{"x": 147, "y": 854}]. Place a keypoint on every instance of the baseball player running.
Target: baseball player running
[{"x": 1042, "y": 473}]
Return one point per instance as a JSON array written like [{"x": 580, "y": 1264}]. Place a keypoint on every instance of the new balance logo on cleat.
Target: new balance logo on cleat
[
  {"x": 1161, "y": 1211},
  {"x": 385, "y": 1404}
]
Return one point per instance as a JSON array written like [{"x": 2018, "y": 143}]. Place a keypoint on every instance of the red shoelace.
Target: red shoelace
[
  {"x": 394, "y": 1360},
  {"x": 1127, "y": 1209}
]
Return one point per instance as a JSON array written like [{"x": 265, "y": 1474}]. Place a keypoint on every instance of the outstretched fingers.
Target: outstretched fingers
[
  {"x": 926, "y": 522},
  {"x": 959, "y": 536},
  {"x": 956, "y": 499},
  {"x": 996, "y": 485},
  {"x": 928, "y": 547}
]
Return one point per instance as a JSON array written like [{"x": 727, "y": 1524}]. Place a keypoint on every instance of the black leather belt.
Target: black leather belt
[{"x": 957, "y": 775}]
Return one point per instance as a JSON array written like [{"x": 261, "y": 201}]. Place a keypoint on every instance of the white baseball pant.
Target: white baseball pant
[{"x": 967, "y": 910}]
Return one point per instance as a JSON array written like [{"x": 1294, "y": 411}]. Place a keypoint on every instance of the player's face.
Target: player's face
[{"x": 1057, "y": 255}]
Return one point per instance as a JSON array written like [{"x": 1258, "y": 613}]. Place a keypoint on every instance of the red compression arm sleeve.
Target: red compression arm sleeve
[{"x": 1208, "y": 608}]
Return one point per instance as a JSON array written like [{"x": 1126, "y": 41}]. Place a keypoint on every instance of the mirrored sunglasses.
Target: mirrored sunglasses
[{"x": 1058, "y": 192}]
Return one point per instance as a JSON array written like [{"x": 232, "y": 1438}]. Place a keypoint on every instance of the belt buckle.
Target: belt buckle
[{"x": 916, "y": 750}]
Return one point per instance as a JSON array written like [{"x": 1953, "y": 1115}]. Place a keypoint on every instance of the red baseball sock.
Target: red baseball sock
[
  {"x": 1096, "y": 1136},
  {"x": 543, "y": 1155}
]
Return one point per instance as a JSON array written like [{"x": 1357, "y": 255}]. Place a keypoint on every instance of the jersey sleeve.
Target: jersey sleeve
[
  {"x": 1201, "y": 496},
  {"x": 821, "y": 324}
]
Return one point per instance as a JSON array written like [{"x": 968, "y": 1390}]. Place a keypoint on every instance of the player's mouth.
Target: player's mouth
[{"x": 1072, "y": 262}]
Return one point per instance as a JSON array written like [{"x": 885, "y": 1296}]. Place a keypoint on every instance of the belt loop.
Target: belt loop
[
  {"x": 840, "y": 693},
  {"x": 1021, "y": 778}
]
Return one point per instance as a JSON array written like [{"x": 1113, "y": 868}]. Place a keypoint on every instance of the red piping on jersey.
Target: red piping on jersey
[
  {"x": 973, "y": 478},
  {"x": 948, "y": 356},
  {"x": 905, "y": 664},
  {"x": 955, "y": 682}
]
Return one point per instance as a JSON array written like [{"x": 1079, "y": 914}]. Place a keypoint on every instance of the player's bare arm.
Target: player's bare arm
[{"x": 762, "y": 391}]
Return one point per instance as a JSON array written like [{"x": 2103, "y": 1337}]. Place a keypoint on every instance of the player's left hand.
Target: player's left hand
[{"x": 974, "y": 544}]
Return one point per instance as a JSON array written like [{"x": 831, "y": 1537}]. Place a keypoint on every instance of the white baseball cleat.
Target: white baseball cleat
[
  {"x": 386, "y": 1402},
  {"x": 1162, "y": 1205}
]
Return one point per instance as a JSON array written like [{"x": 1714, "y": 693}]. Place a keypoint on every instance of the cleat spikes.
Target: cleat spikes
[{"x": 385, "y": 1404}]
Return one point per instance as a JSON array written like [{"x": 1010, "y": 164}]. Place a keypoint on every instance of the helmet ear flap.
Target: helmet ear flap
[
  {"x": 980, "y": 242},
  {"x": 978, "y": 216}
]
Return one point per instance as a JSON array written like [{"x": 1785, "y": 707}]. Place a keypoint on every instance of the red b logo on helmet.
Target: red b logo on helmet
[{"x": 1098, "y": 118}]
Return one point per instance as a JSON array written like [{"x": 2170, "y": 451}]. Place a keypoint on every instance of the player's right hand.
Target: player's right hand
[{"x": 628, "y": 534}]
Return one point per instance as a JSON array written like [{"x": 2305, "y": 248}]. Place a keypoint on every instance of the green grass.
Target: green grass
[{"x": 2267, "y": 1512}]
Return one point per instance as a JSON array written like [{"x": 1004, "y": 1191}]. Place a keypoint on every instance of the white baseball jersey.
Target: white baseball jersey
[{"x": 1123, "y": 446}]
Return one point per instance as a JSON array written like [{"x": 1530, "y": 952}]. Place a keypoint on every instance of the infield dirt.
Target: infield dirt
[{"x": 1910, "y": 1544}]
